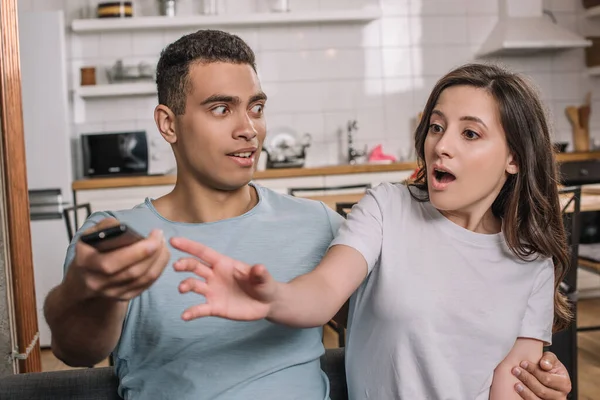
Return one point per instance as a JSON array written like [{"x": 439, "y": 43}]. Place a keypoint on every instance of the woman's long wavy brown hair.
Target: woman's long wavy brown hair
[{"x": 528, "y": 203}]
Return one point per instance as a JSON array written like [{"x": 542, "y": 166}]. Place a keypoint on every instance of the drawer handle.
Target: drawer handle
[{"x": 584, "y": 172}]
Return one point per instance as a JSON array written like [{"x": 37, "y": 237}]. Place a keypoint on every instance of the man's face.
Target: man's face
[{"x": 221, "y": 133}]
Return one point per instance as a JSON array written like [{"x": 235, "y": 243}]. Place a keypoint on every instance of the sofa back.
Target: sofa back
[{"x": 101, "y": 383}]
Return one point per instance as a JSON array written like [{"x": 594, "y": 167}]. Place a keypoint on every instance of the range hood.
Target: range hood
[{"x": 522, "y": 28}]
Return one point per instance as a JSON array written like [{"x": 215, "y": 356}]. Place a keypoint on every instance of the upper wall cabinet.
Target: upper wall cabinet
[{"x": 226, "y": 20}]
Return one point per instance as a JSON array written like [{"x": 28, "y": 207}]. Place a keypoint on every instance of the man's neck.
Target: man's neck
[{"x": 195, "y": 203}]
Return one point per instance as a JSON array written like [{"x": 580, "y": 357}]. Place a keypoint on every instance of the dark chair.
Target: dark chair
[
  {"x": 343, "y": 208},
  {"x": 338, "y": 328},
  {"x": 564, "y": 343},
  {"x": 71, "y": 229}
]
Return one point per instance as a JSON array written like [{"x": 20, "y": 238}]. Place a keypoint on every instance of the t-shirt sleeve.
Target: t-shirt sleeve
[
  {"x": 363, "y": 228},
  {"x": 90, "y": 222},
  {"x": 539, "y": 315}
]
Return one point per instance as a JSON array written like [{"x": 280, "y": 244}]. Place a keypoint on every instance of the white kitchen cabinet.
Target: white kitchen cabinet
[
  {"x": 124, "y": 198},
  {"x": 119, "y": 198},
  {"x": 283, "y": 184},
  {"x": 374, "y": 178}
]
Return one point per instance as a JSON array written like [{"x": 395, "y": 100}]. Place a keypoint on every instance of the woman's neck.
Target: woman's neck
[{"x": 478, "y": 221}]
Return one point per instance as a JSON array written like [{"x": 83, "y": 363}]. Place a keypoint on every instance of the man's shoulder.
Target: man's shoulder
[
  {"x": 138, "y": 217},
  {"x": 141, "y": 210},
  {"x": 300, "y": 210}
]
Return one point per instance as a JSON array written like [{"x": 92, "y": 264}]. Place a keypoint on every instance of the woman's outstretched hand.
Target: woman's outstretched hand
[{"x": 233, "y": 289}]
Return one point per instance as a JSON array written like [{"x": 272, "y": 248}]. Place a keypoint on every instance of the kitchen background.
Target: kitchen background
[
  {"x": 319, "y": 76},
  {"x": 376, "y": 65}
]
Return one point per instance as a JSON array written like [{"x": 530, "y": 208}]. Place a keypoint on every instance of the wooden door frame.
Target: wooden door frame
[{"x": 16, "y": 197}]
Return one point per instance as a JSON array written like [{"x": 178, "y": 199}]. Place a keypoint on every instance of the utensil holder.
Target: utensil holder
[{"x": 581, "y": 140}]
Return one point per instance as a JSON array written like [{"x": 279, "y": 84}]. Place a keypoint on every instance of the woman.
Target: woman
[{"x": 455, "y": 277}]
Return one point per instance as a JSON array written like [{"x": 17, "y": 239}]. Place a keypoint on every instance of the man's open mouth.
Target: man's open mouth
[{"x": 246, "y": 154}]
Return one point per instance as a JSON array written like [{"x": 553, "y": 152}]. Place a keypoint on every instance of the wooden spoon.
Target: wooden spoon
[
  {"x": 584, "y": 113},
  {"x": 573, "y": 116},
  {"x": 581, "y": 139}
]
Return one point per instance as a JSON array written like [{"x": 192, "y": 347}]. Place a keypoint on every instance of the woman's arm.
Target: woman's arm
[
  {"x": 504, "y": 382},
  {"x": 237, "y": 291},
  {"x": 313, "y": 299}
]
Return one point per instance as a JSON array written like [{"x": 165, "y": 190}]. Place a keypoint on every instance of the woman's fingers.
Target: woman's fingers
[
  {"x": 199, "y": 250},
  {"x": 193, "y": 285},
  {"x": 193, "y": 265},
  {"x": 197, "y": 311}
]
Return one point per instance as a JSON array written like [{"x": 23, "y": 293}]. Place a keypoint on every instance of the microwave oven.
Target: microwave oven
[{"x": 114, "y": 154}]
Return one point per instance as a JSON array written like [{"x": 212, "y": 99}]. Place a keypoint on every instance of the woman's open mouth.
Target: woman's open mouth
[{"x": 442, "y": 178}]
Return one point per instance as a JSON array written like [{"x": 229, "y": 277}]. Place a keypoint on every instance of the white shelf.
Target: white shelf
[
  {"x": 593, "y": 71},
  {"x": 117, "y": 90},
  {"x": 593, "y": 12},
  {"x": 199, "y": 21}
]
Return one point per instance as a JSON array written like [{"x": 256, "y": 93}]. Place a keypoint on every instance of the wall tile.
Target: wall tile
[
  {"x": 395, "y": 32},
  {"x": 396, "y": 62},
  {"x": 482, "y": 7},
  {"x": 438, "y": 7},
  {"x": 114, "y": 45},
  {"x": 147, "y": 43},
  {"x": 395, "y": 7}
]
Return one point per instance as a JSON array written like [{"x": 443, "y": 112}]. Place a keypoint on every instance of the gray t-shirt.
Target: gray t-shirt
[
  {"x": 441, "y": 307},
  {"x": 160, "y": 356}
]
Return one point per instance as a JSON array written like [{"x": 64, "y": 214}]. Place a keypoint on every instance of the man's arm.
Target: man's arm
[
  {"x": 86, "y": 311},
  {"x": 84, "y": 332},
  {"x": 547, "y": 379}
]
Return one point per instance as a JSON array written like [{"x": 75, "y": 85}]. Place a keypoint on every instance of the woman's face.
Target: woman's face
[{"x": 466, "y": 152}]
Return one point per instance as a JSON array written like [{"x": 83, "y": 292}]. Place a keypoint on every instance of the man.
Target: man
[{"x": 126, "y": 302}]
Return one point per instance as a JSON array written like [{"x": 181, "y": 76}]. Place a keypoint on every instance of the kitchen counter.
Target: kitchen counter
[{"x": 158, "y": 180}]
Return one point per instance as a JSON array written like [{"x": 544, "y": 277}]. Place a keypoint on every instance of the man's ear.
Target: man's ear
[
  {"x": 512, "y": 167},
  {"x": 165, "y": 122}
]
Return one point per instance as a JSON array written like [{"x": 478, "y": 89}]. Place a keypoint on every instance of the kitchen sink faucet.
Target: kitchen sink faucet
[{"x": 353, "y": 154}]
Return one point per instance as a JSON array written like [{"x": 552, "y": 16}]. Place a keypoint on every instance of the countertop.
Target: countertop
[{"x": 158, "y": 180}]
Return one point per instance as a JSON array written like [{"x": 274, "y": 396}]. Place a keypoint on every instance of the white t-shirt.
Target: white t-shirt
[{"x": 441, "y": 306}]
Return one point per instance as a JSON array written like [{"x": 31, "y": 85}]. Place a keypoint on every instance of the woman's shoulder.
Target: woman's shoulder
[
  {"x": 396, "y": 194},
  {"x": 395, "y": 191}
]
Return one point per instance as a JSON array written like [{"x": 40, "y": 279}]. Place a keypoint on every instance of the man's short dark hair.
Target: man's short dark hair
[{"x": 205, "y": 46}]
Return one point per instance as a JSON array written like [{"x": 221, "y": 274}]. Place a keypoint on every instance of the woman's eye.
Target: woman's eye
[
  {"x": 220, "y": 110},
  {"x": 435, "y": 128},
  {"x": 470, "y": 135},
  {"x": 258, "y": 109}
]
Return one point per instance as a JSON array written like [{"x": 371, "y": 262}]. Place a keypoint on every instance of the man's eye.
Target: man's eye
[
  {"x": 220, "y": 110},
  {"x": 258, "y": 109}
]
